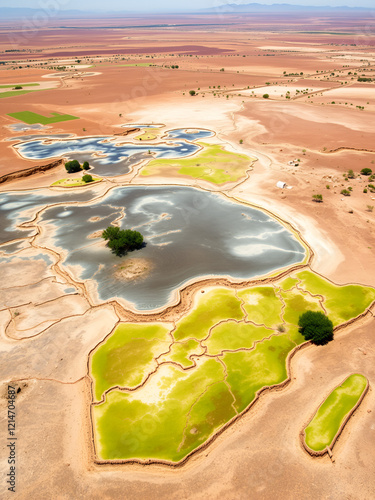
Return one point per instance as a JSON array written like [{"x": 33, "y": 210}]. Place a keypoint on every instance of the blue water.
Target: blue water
[
  {"x": 113, "y": 153},
  {"x": 189, "y": 134}
]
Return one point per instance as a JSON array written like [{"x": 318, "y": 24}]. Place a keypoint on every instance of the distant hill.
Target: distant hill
[
  {"x": 234, "y": 8},
  {"x": 27, "y": 13}
]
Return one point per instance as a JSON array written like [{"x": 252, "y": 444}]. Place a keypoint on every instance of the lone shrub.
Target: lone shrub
[
  {"x": 192, "y": 92},
  {"x": 345, "y": 192},
  {"x": 87, "y": 178},
  {"x": 266, "y": 96},
  {"x": 318, "y": 198},
  {"x": 351, "y": 174},
  {"x": 86, "y": 165},
  {"x": 316, "y": 326},
  {"x": 366, "y": 171}
]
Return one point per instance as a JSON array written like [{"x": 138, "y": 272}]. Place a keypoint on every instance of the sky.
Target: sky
[{"x": 165, "y": 5}]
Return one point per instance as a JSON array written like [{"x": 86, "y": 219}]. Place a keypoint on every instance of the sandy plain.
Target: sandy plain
[{"x": 260, "y": 455}]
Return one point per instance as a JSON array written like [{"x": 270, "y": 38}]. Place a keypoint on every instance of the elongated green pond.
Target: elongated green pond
[{"x": 323, "y": 428}]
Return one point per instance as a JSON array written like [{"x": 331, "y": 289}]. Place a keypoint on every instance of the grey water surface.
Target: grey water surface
[{"x": 189, "y": 234}]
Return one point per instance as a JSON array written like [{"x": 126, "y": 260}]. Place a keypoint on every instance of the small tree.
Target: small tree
[
  {"x": 366, "y": 171},
  {"x": 316, "y": 326},
  {"x": 318, "y": 198},
  {"x": 192, "y": 92},
  {"x": 351, "y": 174},
  {"x": 86, "y": 165},
  {"x": 266, "y": 96},
  {"x": 345, "y": 192},
  {"x": 72, "y": 166},
  {"x": 87, "y": 178}
]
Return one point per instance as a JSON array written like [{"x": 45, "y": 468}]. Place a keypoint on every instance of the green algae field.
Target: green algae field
[
  {"x": 75, "y": 182},
  {"x": 213, "y": 164},
  {"x": 161, "y": 391},
  {"x": 331, "y": 415}
]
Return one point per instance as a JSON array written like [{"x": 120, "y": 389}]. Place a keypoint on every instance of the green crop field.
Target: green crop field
[
  {"x": 323, "y": 428},
  {"x": 13, "y": 93},
  {"x": 212, "y": 164},
  {"x": 32, "y": 118},
  {"x": 160, "y": 391},
  {"x": 19, "y": 85}
]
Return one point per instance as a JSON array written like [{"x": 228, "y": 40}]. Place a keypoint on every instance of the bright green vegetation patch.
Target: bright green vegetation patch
[
  {"x": 13, "y": 93},
  {"x": 181, "y": 352},
  {"x": 212, "y": 164},
  {"x": 249, "y": 371},
  {"x": 78, "y": 182},
  {"x": 32, "y": 118},
  {"x": 192, "y": 379},
  {"x": 127, "y": 356},
  {"x": 167, "y": 420},
  {"x": 149, "y": 134},
  {"x": 19, "y": 85},
  {"x": 341, "y": 302},
  {"x": 231, "y": 335},
  {"x": 298, "y": 302},
  {"x": 288, "y": 283},
  {"x": 323, "y": 428},
  {"x": 215, "y": 306},
  {"x": 262, "y": 305}
]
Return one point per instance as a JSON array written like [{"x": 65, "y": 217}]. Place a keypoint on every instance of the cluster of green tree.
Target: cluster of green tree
[
  {"x": 364, "y": 79},
  {"x": 316, "y": 326},
  {"x": 74, "y": 166},
  {"x": 121, "y": 241}
]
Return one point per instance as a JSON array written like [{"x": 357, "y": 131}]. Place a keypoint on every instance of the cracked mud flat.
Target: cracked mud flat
[{"x": 201, "y": 371}]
